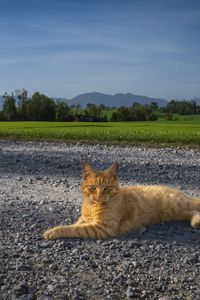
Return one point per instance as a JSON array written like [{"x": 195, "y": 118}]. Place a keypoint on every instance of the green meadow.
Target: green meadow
[{"x": 181, "y": 132}]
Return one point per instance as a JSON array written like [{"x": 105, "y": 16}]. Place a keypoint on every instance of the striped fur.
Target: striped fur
[{"x": 109, "y": 210}]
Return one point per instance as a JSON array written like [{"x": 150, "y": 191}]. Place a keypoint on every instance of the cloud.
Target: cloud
[{"x": 10, "y": 61}]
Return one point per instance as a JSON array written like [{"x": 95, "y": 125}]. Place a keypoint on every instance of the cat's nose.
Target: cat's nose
[
  {"x": 98, "y": 197},
  {"x": 98, "y": 193}
]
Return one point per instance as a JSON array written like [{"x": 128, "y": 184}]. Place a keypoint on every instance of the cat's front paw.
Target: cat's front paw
[{"x": 51, "y": 234}]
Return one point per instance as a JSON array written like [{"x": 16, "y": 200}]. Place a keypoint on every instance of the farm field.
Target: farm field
[{"x": 183, "y": 132}]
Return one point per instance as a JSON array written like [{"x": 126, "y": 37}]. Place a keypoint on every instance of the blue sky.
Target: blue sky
[{"x": 66, "y": 47}]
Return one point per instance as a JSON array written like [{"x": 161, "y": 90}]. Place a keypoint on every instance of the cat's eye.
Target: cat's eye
[
  {"x": 106, "y": 188},
  {"x": 92, "y": 187}
]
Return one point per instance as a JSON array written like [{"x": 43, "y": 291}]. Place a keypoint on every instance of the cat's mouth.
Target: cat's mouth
[{"x": 98, "y": 200}]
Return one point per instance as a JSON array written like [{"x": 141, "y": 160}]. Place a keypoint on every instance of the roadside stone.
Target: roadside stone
[
  {"x": 44, "y": 298},
  {"x": 130, "y": 292},
  {"x": 21, "y": 289}
]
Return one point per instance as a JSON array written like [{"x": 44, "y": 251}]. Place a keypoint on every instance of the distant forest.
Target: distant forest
[{"x": 20, "y": 107}]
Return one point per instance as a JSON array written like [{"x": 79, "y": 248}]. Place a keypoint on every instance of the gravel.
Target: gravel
[{"x": 40, "y": 187}]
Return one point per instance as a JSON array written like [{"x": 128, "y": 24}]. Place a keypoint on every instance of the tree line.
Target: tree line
[
  {"x": 39, "y": 107},
  {"x": 183, "y": 107},
  {"x": 20, "y": 107}
]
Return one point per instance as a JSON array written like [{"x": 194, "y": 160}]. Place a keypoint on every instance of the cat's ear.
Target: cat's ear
[
  {"x": 86, "y": 169},
  {"x": 114, "y": 169}
]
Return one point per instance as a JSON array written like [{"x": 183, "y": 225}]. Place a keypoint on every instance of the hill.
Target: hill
[
  {"x": 197, "y": 100},
  {"x": 116, "y": 100}
]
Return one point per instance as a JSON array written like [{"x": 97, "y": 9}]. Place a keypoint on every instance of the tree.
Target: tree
[
  {"x": 169, "y": 116},
  {"x": 139, "y": 112},
  {"x": 76, "y": 112},
  {"x": 9, "y": 107},
  {"x": 93, "y": 110},
  {"x": 103, "y": 107},
  {"x": 1, "y": 116},
  {"x": 114, "y": 117},
  {"x": 153, "y": 117},
  {"x": 63, "y": 112},
  {"x": 121, "y": 114},
  {"x": 23, "y": 102},
  {"x": 42, "y": 108},
  {"x": 182, "y": 107},
  {"x": 172, "y": 106},
  {"x": 153, "y": 106}
]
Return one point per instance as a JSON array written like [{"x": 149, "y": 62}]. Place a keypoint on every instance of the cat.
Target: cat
[{"x": 109, "y": 210}]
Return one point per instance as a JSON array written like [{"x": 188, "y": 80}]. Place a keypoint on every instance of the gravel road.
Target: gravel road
[{"x": 40, "y": 187}]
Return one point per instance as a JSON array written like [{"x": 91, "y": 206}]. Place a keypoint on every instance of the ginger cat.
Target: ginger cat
[{"x": 109, "y": 210}]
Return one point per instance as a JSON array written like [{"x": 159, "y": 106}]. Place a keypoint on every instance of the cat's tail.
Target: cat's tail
[{"x": 195, "y": 204}]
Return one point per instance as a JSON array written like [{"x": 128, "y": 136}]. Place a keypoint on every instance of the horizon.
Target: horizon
[
  {"x": 197, "y": 99},
  {"x": 68, "y": 48}
]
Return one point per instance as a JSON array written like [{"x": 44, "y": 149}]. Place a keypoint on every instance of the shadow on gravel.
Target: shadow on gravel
[
  {"x": 171, "y": 232},
  {"x": 69, "y": 164},
  {"x": 29, "y": 220}
]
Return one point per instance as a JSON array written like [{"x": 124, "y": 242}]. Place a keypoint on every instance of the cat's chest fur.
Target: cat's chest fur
[{"x": 97, "y": 212}]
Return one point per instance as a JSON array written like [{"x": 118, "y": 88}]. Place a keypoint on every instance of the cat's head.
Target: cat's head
[{"x": 100, "y": 186}]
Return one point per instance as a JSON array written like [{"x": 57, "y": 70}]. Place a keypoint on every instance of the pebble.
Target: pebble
[
  {"x": 46, "y": 260},
  {"x": 130, "y": 292},
  {"x": 84, "y": 257},
  {"x": 44, "y": 298},
  {"x": 21, "y": 289}
]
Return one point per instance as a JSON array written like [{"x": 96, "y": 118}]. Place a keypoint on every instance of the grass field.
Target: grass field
[{"x": 155, "y": 133}]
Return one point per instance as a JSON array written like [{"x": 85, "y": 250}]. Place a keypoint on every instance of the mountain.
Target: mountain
[
  {"x": 114, "y": 100},
  {"x": 197, "y": 100},
  {"x": 108, "y": 100}
]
